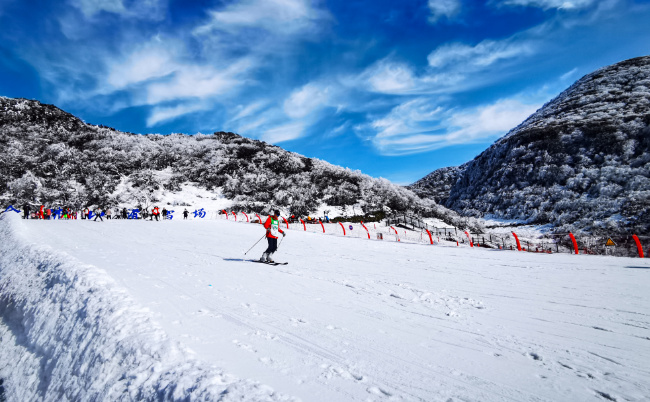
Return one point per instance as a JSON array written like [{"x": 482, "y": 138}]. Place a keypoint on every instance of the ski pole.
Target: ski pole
[
  {"x": 255, "y": 243},
  {"x": 280, "y": 243}
]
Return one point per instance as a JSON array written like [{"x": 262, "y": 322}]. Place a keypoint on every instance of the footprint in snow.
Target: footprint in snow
[
  {"x": 266, "y": 360},
  {"x": 297, "y": 321},
  {"x": 379, "y": 392},
  {"x": 331, "y": 371},
  {"x": 244, "y": 346},
  {"x": 264, "y": 335}
]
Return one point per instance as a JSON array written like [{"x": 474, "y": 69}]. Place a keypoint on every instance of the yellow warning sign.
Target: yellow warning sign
[{"x": 610, "y": 242}]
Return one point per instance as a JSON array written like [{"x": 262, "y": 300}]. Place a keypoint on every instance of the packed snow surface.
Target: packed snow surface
[{"x": 171, "y": 310}]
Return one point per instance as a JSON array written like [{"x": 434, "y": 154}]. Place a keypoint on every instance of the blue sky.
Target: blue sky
[{"x": 395, "y": 89}]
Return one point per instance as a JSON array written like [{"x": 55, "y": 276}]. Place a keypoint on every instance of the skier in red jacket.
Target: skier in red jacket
[{"x": 272, "y": 226}]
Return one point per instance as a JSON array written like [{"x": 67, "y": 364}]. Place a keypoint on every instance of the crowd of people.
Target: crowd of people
[{"x": 95, "y": 213}]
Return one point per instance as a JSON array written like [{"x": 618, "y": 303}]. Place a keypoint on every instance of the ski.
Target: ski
[{"x": 269, "y": 263}]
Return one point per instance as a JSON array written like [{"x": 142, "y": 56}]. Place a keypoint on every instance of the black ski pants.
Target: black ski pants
[{"x": 273, "y": 245}]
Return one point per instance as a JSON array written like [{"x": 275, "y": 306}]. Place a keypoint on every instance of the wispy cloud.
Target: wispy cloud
[
  {"x": 195, "y": 81},
  {"x": 569, "y": 74},
  {"x": 443, "y": 8},
  {"x": 136, "y": 9},
  {"x": 286, "y": 132},
  {"x": 548, "y": 4},
  {"x": 160, "y": 114},
  {"x": 480, "y": 55},
  {"x": 305, "y": 100},
  {"x": 452, "y": 68},
  {"x": 281, "y": 17},
  {"x": 389, "y": 76},
  {"x": 153, "y": 60},
  {"x": 242, "y": 111},
  {"x": 420, "y": 125}
]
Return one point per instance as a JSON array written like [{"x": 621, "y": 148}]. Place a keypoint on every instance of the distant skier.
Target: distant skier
[
  {"x": 185, "y": 213},
  {"x": 98, "y": 214},
  {"x": 125, "y": 213},
  {"x": 164, "y": 213},
  {"x": 154, "y": 213},
  {"x": 26, "y": 209},
  {"x": 272, "y": 226}
]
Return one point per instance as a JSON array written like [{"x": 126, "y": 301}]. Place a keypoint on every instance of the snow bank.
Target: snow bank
[{"x": 68, "y": 332}]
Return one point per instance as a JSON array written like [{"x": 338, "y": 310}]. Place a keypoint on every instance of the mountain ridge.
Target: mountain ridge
[{"x": 581, "y": 161}]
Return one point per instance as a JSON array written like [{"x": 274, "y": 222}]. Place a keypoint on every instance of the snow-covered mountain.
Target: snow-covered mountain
[
  {"x": 582, "y": 161},
  {"x": 49, "y": 156}
]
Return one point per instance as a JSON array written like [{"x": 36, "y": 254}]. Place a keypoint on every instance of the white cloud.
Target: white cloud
[
  {"x": 279, "y": 16},
  {"x": 483, "y": 54},
  {"x": 569, "y": 74},
  {"x": 306, "y": 100},
  {"x": 443, "y": 8},
  {"x": 91, "y": 7},
  {"x": 160, "y": 114},
  {"x": 194, "y": 81},
  {"x": 410, "y": 117},
  {"x": 251, "y": 125},
  {"x": 387, "y": 76},
  {"x": 453, "y": 68},
  {"x": 245, "y": 111},
  {"x": 151, "y": 61},
  {"x": 489, "y": 121},
  {"x": 138, "y": 9},
  {"x": 548, "y": 4},
  {"x": 419, "y": 125},
  {"x": 283, "y": 133}
]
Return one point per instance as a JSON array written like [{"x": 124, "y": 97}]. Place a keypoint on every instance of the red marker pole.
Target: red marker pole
[
  {"x": 471, "y": 244},
  {"x": 367, "y": 231},
  {"x": 575, "y": 243},
  {"x": 638, "y": 245},
  {"x": 517, "y": 240}
]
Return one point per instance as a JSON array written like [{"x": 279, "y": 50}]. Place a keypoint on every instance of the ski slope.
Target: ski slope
[{"x": 126, "y": 310}]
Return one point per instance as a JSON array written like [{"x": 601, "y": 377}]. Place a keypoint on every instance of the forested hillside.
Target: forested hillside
[
  {"x": 50, "y": 156},
  {"x": 581, "y": 161}
]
